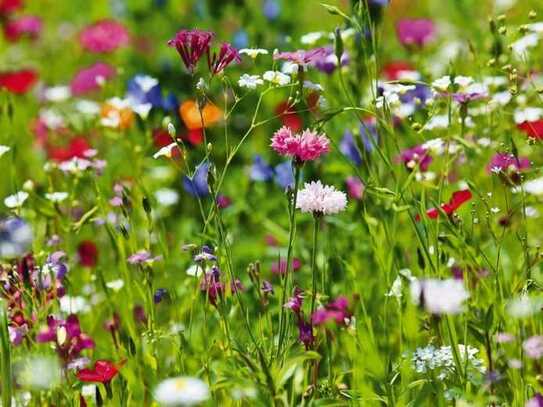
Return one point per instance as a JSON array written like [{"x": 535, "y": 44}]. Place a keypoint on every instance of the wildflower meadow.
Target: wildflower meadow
[{"x": 271, "y": 203}]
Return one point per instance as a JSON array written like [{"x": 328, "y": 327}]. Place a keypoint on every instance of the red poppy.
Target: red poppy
[
  {"x": 76, "y": 148},
  {"x": 391, "y": 71},
  {"x": 457, "y": 199},
  {"x": 103, "y": 372},
  {"x": 532, "y": 129},
  {"x": 18, "y": 81},
  {"x": 88, "y": 253},
  {"x": 288, "y": 116}
]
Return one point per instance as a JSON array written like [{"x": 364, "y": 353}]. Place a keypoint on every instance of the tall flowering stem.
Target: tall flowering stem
[
  {"x": 292, "y": 231},
  {"x": 316, "y": 220}
]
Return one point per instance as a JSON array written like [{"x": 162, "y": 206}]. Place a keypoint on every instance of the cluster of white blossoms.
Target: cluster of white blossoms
[
  {"x": 440, "y": 361},
  {"x": 439, "y": 296},
  {"x": 321, "y": 199},
  {"x": 181, "y": 391}
]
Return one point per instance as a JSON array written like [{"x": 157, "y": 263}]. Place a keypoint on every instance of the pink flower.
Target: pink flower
[
  {"x": 417, "y": 32},
  {"x": 89, "y": 79},
  {"x": 507, "y": 162},
  {"x": 414, "y": 157},
  {"x": 355, "y": 188},
  {"x": 302, "y": 57},
  {"x": 306, "y": 146},
  {"x": 30, "y": 26},
  {"x": 104, "y": 36},
  {"x": 533, "y": 347},
  {"x": 227, "y": 55},
  {"x": 337, "y": 311},
  {"x": 191, "y": 45}
]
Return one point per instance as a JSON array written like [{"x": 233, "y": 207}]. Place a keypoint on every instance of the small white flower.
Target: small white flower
[
  {"x": 494, "y": 210},
  {"x": 167, "y": 196},
  {"x": 166, "y": 151},
  {"x": 74, "y": 305},
  {"x": 311, "y": 38},
  {"x": 87, "y": 107},
  {"x": 522, "y": 45},
  {"x": 276, "y": 78},
  {"x": 534, "y": 187},
  {"x": 38, "y": 372},
  {"x": 115, "y": 285},
  {"x": 253, "y": 52},
  {"x": 16, "y": 200},
  {"x": 396, "y": 289},
  {"x": 57, "y": 196},
  {"x": 442, "y": 84},
  {"x": 463, "y": 81},
  {"x": 313, "y": 86},
  {"x": 524, "y": 306},
  {"x": 250, "y": 81},
  {"x": 440, "y": 296},
  {"x": 323, "y": 199},
  {"x": 4, "y": 149},
  {"x": 194, "y": 271},
  {"x": 201, "y": 84},
  {"x": 57, "y": 93},
  {"x": 529, "y": 114},
  {"x": 145, "y": 82},
  {"x": 181, "y": 391}
]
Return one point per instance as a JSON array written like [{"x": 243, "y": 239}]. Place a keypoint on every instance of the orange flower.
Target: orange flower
[
  {"x": 190, "y": 114},
  {"x": 120, "y": 117}
]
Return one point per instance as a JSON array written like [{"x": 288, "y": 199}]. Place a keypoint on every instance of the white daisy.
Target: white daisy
[
  {"x": 250, "y": 81},
  {"x": 276, "y": 78}
]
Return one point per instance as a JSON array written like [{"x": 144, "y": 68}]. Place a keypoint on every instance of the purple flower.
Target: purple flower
[
  {"x": 261, "y": 170},
  {"x": 416, "y": 157},
  {"x": 296, "y": 301},
  {"x": 206, "y": 254},
  {"x": 355, "y": 187},
  {"x": 533, "y": 347},
  {"x": 191, "y": 45},
  {"x": 227, "y": 54},
  {"x": 302, "y": 57},
  {"x": 55, "y": 264},
  {"x": 305, "y": 333},
  {"x": 212, "y": 286},
  {"x": 144, "y": 89},
  {"x": 328, "y": 62},
  {"x": 536, "y": 401},
  {"x": 280, "y": 267},
  {"x": 267, "y": 287},
  {"x": 91, "y": 78},
  {"x": 15, "y": 237},
  {"x": 337, "y": 311},
  {"x": 197, "y": 184},
  {"x": 223, "y": 201},
  {"x": 349, "y": 148},
  {"x": 143, "y": 256},
  {"x": 284, "y": 177},
  {"x": 464, "y": 98},
  {"x": 159, "y": 295},
  {"x": 507, "y": 162},
  {"x": 417, "y": 32},
  {"x": 271, "y": 9}
]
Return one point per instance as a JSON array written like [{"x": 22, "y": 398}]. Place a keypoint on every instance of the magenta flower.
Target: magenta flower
[
  {"x": 227, "y": 55},
  {"x": 305, "y": 333},
  {"x": 296, "y": 301},
  {"x": 67, "y": 336},
  {"x": 104, "y": 36},
  {"x": 337, "y": 311},
  {"x": 306, "y": 146},
  {"x": 416, "y": 157},
  {"x": 355, "y": 187},
  {"x": 302, "y": 57},
  {"x": 191, "y": 45},
  {"x": 417, "y": 32},
  {"x": 503, "y": 162},
  {"x": 91, "y": 78},
  {"x": 212, "y": 286},
  {"x": 143, "y": 257},
  {"x": 29, "y": 26},
  {"x": 280, "y": 267}
]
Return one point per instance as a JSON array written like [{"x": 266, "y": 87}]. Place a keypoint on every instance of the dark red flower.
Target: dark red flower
[
  {"x": 9, "y": 6},
  {"x": 227, "y": 54},
  {"x": 288, "y": 116},
  {"x": 191, "y": 45},
  {"x": 195, "y": 136},
  {"x": 102, "y": 372},
  {"x": 18, "y": 82},
  {"x": 29, "y": 26},
  {"x": 88, "y": 253},
  {"x": 457, "y": 199},
  {"x": 533, "y": 129}
]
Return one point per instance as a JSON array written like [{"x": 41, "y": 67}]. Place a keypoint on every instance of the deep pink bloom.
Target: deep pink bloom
[
  {"x": 280, "y": 267},
  {"x": 9, "y": 6},
  {"x": 30, "y": 26},
  {"x": 103, "y": 372},
  {"x": 191, "y": 45},
  {"x": 67, "y": 335},
  {"x": 211, "y": 285},
  {"x": 302, "y": 57},
  {"x": 296, "y": 301},
  {"x": 458, "y": 198},
  {"x": 507, "y": 162},
  {"x": 223, "y": 201},
  {"x": 337, "y": 311},
  {"x": 355, "y": 187},
  {"x": 104, "y": 36},
  {"x": 416, "y": 157},
  {"x": 415, "y": 32},
  {"x": 227, "y": 54},
  {"x": 90, "y": 78},
  {"x": 306, "y": 146}
]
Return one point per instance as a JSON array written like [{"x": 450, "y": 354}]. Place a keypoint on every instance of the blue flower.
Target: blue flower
[
  {"x": 260, "y": 170},
  {"x": 271, "y": 9},
  {"x": 145, "y": 89},
  {"x": 348, "y": 147},
  {"x": 241, "y": 39},
  {"x": 15, "y": 237},
  {"x": 284, "y": 177},
  {"x": 197, "y": 184}
]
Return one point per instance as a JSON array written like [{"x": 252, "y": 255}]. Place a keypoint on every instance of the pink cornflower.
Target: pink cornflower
[
  {"x": 417, "y": 32},
  {"x": 302, "y": 57},
  {"x": 307, "y": 146},
  {"x": 30, "y": 26},
  {"x": 104, "y": 36},
  {"x": 191, "y": 45},
  {"x": 227, "y": 54},
  {"x": 91, "y": 78}
]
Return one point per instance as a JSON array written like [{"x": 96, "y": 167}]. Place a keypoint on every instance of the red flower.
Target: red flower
[
  {"x": 103, "y": 372},
  {"x": 88, "y": 253},
  {"x": 76, "y": 148},
  {"x": 457, "y": 199},
  {"x": 9, "y": 6},
  {"x": 532, "y": 129},
  {"x": 393, "y": 69},
  {"x": 18, "y": 81},
  {"x": 289, "y": 117}
]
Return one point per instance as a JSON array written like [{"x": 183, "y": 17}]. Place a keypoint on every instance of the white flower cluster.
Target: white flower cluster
[
  {"x": 318, "y": 198},
  {"x": 440, "y": 361},
  {"x": 440, "y": 296}
]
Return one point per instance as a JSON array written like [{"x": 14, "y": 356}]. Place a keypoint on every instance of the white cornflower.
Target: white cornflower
[
  {"x": 524, "y": 306},
  {"x": 276, "y": 78},
  {"x": 4, "y": 149},
  {"x": 57, "y": 196},
  {"x": 166, "y": 151},
  {"x": 439, "y": 296},
  {"x": 534, "y": 187},
  {"x": 321, "y": 199},
  {"x": 181, "y": 391},
  {"x": 250, "y": 81},
  {"x": 253, "y": 52},
  {"x": 16, "y": 200}
]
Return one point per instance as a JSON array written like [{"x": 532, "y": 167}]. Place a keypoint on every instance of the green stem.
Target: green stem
[{"x": 313, "y": 261}]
